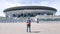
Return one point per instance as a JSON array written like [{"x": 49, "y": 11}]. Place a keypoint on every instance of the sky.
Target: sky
[{"x": 12, "y": 3}]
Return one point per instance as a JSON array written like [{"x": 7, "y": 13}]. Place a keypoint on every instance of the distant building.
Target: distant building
[{"x": 20, "y": 13}]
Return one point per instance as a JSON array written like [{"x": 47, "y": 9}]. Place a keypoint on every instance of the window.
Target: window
[
  {"x": 24, "y": 15},
  {"x": 18, "y": 15},
  {"x": 49, "y": 14},
  {"x": 14, "y": 15},
  {"x": 31, "y": 15},
  {"x": 21, "y": 14}
]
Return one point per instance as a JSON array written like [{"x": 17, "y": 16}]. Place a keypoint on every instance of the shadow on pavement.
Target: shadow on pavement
[{"x": 35, "y": 31}]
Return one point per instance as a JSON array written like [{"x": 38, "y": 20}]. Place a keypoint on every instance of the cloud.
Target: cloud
[
  {"x": 50, "y": 3},
  {"x": 21, "y": 1},
  {"x": 8, "y": 3},
  {"x": 4, "y": 5}
]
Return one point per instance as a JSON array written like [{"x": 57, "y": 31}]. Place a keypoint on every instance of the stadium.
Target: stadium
[
  {"x": 36, "y": 13},
  {"x": 31, "y": 11}
]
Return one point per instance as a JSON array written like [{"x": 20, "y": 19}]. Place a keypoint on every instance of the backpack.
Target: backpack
[{"x": 28, "y": 22}]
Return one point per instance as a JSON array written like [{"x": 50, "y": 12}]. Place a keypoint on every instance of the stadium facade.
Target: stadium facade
[{"x": 21, "y": 13}]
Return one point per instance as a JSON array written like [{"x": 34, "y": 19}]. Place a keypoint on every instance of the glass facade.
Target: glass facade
[
  {"x": 14, "y": 15},
  {"x": 23, "y": 15},
  {"x": 29, "y": 14}
]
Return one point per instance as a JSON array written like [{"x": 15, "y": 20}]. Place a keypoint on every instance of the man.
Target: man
[
  {"x": 29, "y": 25},
  {"x": 37, "y": 20}
]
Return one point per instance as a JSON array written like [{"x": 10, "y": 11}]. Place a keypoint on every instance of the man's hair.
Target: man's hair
[{"x": 28, "y": 18}]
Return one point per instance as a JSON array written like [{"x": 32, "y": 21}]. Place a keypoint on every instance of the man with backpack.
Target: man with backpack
[{"x": 28, "y": 25}]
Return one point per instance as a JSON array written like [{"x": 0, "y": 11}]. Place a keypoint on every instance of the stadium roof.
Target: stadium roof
[{"x": 29, "y": 7}]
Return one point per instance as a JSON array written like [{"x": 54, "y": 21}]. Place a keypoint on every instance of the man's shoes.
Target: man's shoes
[{"x": 29, "y": 31}]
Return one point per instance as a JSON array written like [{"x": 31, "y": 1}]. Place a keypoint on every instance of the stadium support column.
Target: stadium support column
[
  {"x": 37, "y": 20},
  {"x": 7, "y": 16},
  {"x": 53, "y": 14}
]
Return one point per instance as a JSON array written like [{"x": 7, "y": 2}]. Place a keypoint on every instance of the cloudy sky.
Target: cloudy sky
[{"x": 11, "y": 3}]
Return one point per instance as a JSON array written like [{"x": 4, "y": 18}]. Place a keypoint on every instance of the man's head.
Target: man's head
[{"x": 28, "y": 18}]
